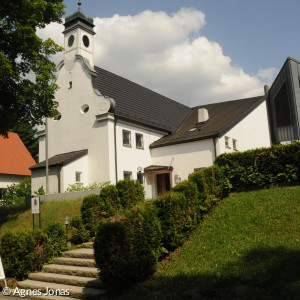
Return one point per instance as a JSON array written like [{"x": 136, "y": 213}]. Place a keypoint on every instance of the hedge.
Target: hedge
[
  {"x": 112, "y": 200},
  {"x": 263, "y": 167},
  {"x": 23, "y": 252},
  {"x": 127, "y": 247}
]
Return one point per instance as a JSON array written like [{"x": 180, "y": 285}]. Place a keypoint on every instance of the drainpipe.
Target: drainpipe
[
  {"x": 215, "y": 147},
  {"x": 116, "y": 157}
]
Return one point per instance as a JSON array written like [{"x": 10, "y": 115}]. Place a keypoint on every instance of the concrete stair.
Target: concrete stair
[{"x": 75, "y": 271}]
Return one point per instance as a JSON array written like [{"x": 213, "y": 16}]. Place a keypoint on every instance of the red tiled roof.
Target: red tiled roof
[{"x": 14, "y": 157}]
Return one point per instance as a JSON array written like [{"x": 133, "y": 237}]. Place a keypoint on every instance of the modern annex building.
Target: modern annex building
[{"x": 111, "y": 128}]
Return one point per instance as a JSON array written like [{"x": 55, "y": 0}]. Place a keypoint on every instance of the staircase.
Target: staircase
[{"x": 75, "y": 271}]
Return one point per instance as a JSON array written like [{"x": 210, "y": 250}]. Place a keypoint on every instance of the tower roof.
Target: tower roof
[{"x": 79, "y": 19}]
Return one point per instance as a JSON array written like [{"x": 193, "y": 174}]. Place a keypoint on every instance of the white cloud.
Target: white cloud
[{"x": 168, "y": 54}]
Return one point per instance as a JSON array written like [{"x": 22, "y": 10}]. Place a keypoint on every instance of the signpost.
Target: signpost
[
  {"x": 35, "y": 208},
  {"x": 2, "y": 275}
]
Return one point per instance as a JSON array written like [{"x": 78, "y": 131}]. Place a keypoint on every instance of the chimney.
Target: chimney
[
  {"x": 266, "y": 87},
  {"x": 202, "y": 115}
]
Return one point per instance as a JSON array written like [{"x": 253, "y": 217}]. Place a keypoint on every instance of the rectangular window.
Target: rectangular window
[
  {"x": 2, "y": 192},
  {"x": 234, "y": 144},
  {"x": 227, "y": 142},
  {"x": 127, "y": 175},
  {"x": 140, "y": 177},
  {"x": 126, "y": 138},
  {"x": 78, "y": 177},
  {"x": 139, "y": 141}
]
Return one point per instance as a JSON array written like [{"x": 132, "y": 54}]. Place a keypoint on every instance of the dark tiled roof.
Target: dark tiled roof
[
  {"x": 61, "y": 159},
  {"x": 139, "y": 104},
  {"x": 222, "y": 117}
]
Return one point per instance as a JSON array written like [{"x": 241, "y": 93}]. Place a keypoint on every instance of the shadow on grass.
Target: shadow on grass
[
  {"x": 8, "y": 213},
  {"x": 261, "y": 274}
]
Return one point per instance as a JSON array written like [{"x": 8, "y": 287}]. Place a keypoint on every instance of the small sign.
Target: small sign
[
  {"x": 35, "y": 205},
  {"x": 2, "y": 275}
]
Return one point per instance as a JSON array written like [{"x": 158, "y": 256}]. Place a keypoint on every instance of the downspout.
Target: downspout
[
  {"x": 59, "y": 178},
  {"x": 215, "y": 148},
  {"x": 115, "y": 141}
]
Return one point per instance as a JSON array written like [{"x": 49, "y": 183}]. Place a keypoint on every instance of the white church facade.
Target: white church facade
[{"x": 110, "y": 128}]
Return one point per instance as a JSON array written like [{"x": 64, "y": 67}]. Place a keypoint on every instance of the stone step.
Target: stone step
[
  {"x": 88, "y": 245},
  {"x": 92, "y": 282},
  {"x": 71, "y": 270},
  {"x": 74, "y": 291},
  {"x": 75, "y": 262},
  {"x": 80, "y": 253}
]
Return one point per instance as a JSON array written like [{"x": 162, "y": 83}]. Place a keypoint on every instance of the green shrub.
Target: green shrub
[
  {"x": 190, "y": 191},
  {"x": 210, "y": 185},
  {"x": 177, "y": 218},
  {"x": 262, "y": 167},
  {"x": 57, "y": 239},
  {"x": 78, "y": 232},
  {"x": 17, "y": 193},
  {"x": 127, "y": 247},
  {"x": 130, "y": 192},
  {"x": 110, "y": 200},
  {"x": 23, "y": 252}
]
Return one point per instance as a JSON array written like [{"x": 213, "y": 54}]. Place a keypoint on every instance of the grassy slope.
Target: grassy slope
[
  {"x": 18, "y": 217},
  {"x": 248, "y": 248}
]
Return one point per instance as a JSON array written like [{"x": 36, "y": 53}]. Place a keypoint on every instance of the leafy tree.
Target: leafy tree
[
  {"x": 27, "y": 134},
  {"x": 26, "y": 72},
  {"x": 17, "y": 193}
]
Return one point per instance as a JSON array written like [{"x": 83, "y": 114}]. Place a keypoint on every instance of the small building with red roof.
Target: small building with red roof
[{"x": 15, "y": 161}]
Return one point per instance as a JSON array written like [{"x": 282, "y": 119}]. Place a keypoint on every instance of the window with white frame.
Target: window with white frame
[
  {"x": 78, "y": 177},
  {"x": 127, "y": 175},
  {"x": 126, "y": 138},
  {"x": 234, "y": 144},
  {"x": 227, "y": 142},
  {"x": 139, "y": 141}
]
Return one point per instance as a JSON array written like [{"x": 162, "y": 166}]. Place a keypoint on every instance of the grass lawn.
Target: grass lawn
[
  {"x": 18, "y": 217},
  {"x": 247, "y": 248}
]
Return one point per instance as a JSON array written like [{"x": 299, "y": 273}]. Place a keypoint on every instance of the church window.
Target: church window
[
  {"x": 139, "y": 141},
  {"x": 84, "y": 108},
  {"x": 86, "y": 41},
  {"x": 126, "y": 138}
]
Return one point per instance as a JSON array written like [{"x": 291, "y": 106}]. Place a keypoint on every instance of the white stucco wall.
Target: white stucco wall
[
  {"x": 7, "y": 179},
  {"x": 251, "y": 132},
  {"x": 38, "y": 179},
  {"x": 77, "y": 130},
  {"x": 130, "y": 158},
  {"x": 69, "y": 171},
  {"x": 184, "y": 158}
]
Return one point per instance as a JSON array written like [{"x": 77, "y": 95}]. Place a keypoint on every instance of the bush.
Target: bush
[
  {"x": 210, "y": 185},
  {"x": 23, "y": 252},
  {"x": 17, "y": 193},
  {"x": 130, "y": 192},
  {"x": 57, "y": 239},
  {"x": 110, "y": 201},
  {"x": 78, "y": 231},
  {"x": 177, "y": 218},
  {"x": 190, "y": 191},
  {"x": 262, "y": 167},
  {"x": 127, "y": 247}
]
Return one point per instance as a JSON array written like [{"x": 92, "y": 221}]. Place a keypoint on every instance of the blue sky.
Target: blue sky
[
  {"x": 194, "y": 51},
  {"x": 254, "y": 33}
]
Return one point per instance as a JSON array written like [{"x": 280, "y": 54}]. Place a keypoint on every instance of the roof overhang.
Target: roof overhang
[{"x": 158, "y": 169}]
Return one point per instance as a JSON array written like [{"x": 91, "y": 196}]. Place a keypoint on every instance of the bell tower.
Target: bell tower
[{"x": 79, "y": 36}]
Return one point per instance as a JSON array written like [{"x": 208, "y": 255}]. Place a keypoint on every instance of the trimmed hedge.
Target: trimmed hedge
[
  {"x": 130, "y": 192},
  {"x": 177, "y": 215},
  {"x": 23, "y": 252},
  {"x": 127, "y": 247},
  {"x": 112, "y": 200},
  {"x": 57, "y": 239},
  {"x": 258, "y": 168}
]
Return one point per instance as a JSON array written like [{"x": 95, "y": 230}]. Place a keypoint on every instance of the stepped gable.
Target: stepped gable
[{"x": 139, "y": 104}]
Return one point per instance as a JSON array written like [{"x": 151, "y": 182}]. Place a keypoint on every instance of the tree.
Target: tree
[
  {"x": 26, "y": 72},
  {"x": 27, "y": 134}
]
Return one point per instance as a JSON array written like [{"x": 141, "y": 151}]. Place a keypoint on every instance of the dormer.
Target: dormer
[{"x": 79, "y": 36}]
